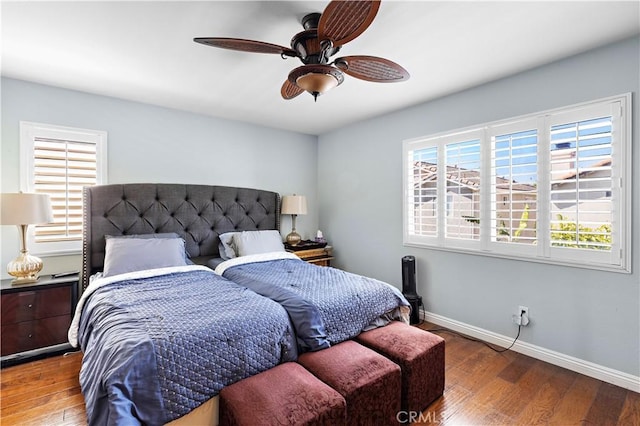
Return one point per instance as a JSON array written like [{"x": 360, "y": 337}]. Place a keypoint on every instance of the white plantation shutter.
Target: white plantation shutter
[
  {"x": 514, "y": 185},
  {"x": 551, "y": 187},
  {"x": 60, "y": 161},
  {"x": 463, "y": 190},
  {"x": 61, "y": 169},
  {"x": 423, "y": 195},
  {"x": 442, "y": 188},
  {"x": 581, "y": 186}
]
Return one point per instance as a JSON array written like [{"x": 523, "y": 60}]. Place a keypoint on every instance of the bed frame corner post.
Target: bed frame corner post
[
  {"x": 278, "y": 211},
  {"x": 86, "y": 238}
]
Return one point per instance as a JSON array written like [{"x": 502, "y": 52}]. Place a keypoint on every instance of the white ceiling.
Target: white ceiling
[{"x": 144, "y": 51}]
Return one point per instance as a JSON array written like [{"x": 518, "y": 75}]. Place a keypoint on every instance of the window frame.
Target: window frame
[
  {"x": 618, "y": 259},
  {"x": 29, "y": 132}
]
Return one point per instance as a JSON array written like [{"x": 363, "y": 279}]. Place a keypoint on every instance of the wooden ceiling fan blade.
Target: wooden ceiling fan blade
[
  {"x": 342, "y": 21},
  {"x": 372, "y": 68},
  {"x": 290, "y": 90},
  {"x": 252, "y": 46}
]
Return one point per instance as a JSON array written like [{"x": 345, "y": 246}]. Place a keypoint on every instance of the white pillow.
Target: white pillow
[
  {"x": 136, "y": 254},
  {"x": 256, "y": 242}
]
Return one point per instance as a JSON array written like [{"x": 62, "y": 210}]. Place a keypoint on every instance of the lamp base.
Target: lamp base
[
  {"x": 24, "y": 268},
  {"x": 293, "y": 238},
  {"x": 20, "y": 281}
]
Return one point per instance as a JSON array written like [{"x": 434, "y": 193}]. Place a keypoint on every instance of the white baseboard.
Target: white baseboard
[{"x": 587, "y": 368}]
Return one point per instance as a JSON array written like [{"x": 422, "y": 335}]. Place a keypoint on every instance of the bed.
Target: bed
[
  {"x": 161, "y": 332},
  {"x": 327, "y": 305}
]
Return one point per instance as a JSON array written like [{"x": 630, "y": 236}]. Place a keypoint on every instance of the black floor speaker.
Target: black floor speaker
[{"x": 409, "y": 287}]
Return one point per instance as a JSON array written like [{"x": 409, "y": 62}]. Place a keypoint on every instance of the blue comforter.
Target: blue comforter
[
  {"x": 326, "y": 305},
  {"x": 155, "y": 348}
]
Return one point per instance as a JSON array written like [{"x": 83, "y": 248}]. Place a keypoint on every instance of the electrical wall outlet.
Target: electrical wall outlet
[{"x": 522, "y": 317}]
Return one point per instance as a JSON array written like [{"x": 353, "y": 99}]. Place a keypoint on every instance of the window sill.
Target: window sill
[{"x": 591, "y": 266}]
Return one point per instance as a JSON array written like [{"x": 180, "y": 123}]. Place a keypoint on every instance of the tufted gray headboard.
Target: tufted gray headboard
[{"x": 198, "y": 213}]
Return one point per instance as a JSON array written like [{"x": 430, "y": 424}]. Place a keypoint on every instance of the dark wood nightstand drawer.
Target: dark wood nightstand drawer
[
  {"x": 27, "y": 335},
  {"x": 35, "y": 304},
  {"x": 36, "y": 318}
]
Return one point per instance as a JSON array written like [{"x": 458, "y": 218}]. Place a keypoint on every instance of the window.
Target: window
[
  {"x": 550, "y": 187},
  {"x": 59, "y": 161}
]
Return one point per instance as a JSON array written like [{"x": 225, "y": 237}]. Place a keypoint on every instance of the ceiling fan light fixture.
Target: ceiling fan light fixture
[
  {"x": 316, "y": 79},
  {"x": 317, "y": 83}
]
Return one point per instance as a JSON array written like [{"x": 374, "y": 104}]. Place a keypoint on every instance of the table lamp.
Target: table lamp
[
  {"x": 24, "y": 209},
  {"x": 293, "y": 205}
]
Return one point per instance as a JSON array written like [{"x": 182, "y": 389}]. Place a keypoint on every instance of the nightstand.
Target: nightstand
[
  {"x": 36, "y": 318},
  {"x": 317, "y": 256}
]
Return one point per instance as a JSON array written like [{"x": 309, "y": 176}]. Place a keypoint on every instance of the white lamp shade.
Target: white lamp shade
[
  {"x": 25, "y": 209},
  {"x": 294, "y": 204}
]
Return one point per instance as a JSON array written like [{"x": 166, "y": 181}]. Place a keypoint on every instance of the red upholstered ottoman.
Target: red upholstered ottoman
[
  {"x": 369, "y": 382},
  {"x": 419, "y": 354},
  {"x": 284, "y": 395}
]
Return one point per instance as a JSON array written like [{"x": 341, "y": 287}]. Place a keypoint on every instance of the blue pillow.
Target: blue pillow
[
  {"x": 137, "y": 254},
  {"x": 156, "y": 235}
]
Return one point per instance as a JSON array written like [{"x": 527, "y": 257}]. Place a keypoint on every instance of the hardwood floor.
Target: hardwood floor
[
  {"x": 488, "y": 388},
  {"x": 43, "y": 392},
  {"x": 482, "y": 388}
]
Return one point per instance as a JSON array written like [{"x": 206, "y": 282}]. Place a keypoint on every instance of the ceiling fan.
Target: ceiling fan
[{"x": 323, "y": 36}]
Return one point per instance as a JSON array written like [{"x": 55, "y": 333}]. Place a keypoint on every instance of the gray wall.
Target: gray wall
[
  {"x": 153, "y": 144},
  {"x": 587, "y": 314}
]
